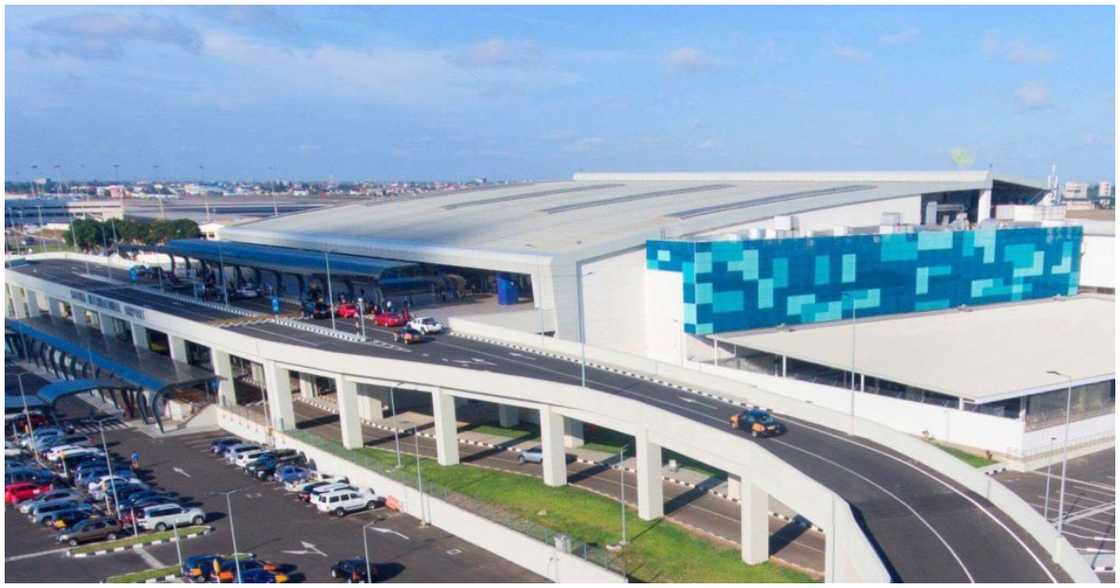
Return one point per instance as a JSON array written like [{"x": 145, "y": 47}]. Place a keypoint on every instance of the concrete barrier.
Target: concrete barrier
[
  {"x": 539, "y": 558},
  {"x": 701, "y": 379}
]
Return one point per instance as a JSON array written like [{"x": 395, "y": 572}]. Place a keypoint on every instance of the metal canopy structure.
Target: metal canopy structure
[
  {"x": 51, "y": 393},
  {"x": 13, "y": 403},
  {"x": 136, "y": 368},
  {"x": 283, "y": 259}
]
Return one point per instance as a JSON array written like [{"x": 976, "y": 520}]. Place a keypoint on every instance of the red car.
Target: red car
[
  {"x": 20, "y": 491},
  {"x": 391, "y": 319},
  {"x": 346, "y": 310}
]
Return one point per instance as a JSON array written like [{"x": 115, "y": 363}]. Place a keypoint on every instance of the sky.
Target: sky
[{"x": 514, "y": 93}]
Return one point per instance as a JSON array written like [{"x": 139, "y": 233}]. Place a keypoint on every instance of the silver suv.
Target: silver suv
[{"x": 164, "y": 516}]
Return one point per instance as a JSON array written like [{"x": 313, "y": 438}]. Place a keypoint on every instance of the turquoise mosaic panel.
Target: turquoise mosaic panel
[{"x": 737, "y": 285}]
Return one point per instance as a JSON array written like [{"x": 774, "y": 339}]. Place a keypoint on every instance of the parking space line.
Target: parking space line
[{"x": 37, "y": 554}]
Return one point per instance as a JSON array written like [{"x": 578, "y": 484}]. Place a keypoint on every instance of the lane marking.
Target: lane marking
[
  {"x": 149, "y": 558},
  {"x": 37, "y": 554}
]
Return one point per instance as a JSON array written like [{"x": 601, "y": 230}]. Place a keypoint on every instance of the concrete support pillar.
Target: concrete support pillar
[
  {"x": 108, "y": 326},
  {"x": 508, "y": 416},
  {"x": 447, "y": 434},
  {"x": 78, "y": 315},
  {"x": 223, "y": 367},
  {"x": 651, "y": 498},
  {"x": 734, "y": 486},
  {"x": 369, "y": 406},
  {"x": 256, "y": 372},
  {"x": 34, "y": 302},
  {"x": 573, "y": 433},
  {"x": 139, "y": 335},
  {"x": 346, "y": 393},
  {"x": 306, "y": 385},
  {"x": 552, "y": 448},
  {"x": 19, "y": 302},
  {"x": 754, "y": 523},
  {"x": 279, "y": 385},
  {"x": 178, "y": 346},
  {"x": 984, "y": 205},
  {"x": 54, "y": 307}
]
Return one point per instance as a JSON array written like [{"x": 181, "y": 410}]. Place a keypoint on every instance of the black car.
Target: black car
[
  {"x": 353, "y": 570},
  {"x": 144, "y": 495}
]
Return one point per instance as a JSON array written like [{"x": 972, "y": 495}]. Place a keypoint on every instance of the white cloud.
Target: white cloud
[
  {"x": 850, "y": 52},
  {"x": 498, "y": 52},
  {"x": 689, "y": 60},
  {"x": 994, "y": 46},
  {"x": 901, "y": 37},
  {"x": 101, "y": 36},
  {"x": 1033, "y": 96},
  {"x": 585, "y": 145}
]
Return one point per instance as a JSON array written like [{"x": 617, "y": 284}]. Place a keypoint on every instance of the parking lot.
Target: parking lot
[
  {"x": 269, "y": 522},
  {"x": 1090, "y": 503}
]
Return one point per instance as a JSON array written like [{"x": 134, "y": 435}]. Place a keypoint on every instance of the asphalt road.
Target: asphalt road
[
  {"x": 269, "y": 522},
  {"x": 793, "y": 544},
  {"x": 1090, "y": 503},
  {"x": 927, "y": 528}
]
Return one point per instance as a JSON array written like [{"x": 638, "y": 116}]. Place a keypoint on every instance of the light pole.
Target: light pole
[
  {"x": 1049, "y": 462},
  {"x": 582, "y": 335},
  {"x": 362, "y": 315},
  {"x": 622, "y": 490},
  {"x": 396, "y": 427},
  {"x": 419, "y": 477},
  {"x": 852, "y": 387},
  {"x": 275, "y": 207},
  {"x": 232, "y": 530},
  {"x": 365, "y": 547},
  {"x": 162, "y": 213},
  {"x": 1065, "y": 448},
  {"x": 330, "y": 290},
  {"x": 112, "y": 480},
  {"x": 205, "y": 199},
  {"x": 27, "y": 414}
]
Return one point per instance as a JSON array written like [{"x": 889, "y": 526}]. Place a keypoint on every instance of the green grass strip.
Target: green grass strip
[
  {"x": 975, "y": 461},
  {"x": 142, "y": 576},
  {"x": 659, "y": 551},
  {"x": 135, "y": 540}
]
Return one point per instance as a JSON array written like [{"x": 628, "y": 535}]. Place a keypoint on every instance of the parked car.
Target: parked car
[
  {"x": 246, "y": 457},
  {"x": 164, "y": 516},
  {"x": 291, "y": 474},
  {"x": 353, "y": 570},
  {"x": 246, "y": 292},
  {"x": 315, "y": 309},
  {"x": 68, "y": 439},
  {"x": 92, "y": 530},
  {"x": 93, "y": 474},
  {"x": 40, "y": 513},
  {"x": 347, "y": 500},
  {"x": 426, "y": 325},
  {"x": 228, "y": 569},
  {"x": 346, "y": 310},
  {"x": 199, "y": 568},
  {"x": 262, "y": 576},
  {"x": 41, "y": 433},
  {"x": 105, "y": 483},
  {"x": 218, "y": 446},
  {"x": 109, "y": 490},
  {"x": 53, "y": 495},
  {"x": 36, "y": 475},
  {"x": 408, "y": 336},
  {"x": 68, "y": 451},
  {"x": 233, "y": 452},
  {"x": 327, "y": 488},
  {"x": 65, "y": 519},
  {"x": 22, "y": 491},
  {"x": 534, "y": 455},
  {"x": 756, "y": 420}
]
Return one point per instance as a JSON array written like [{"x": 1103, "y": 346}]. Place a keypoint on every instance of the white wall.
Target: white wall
[
  {"x": 867, "y": 213},
  {"x": 1098, "y": 261},
  {"x": 613, "y": 302},
  {"x": 664, "y": 313}
]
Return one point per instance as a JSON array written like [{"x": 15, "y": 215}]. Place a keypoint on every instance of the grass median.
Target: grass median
[
  {"x": 659, "y": 551},
  {"x": 971, "y": 459},
  {"x": 141, "y": 539}
]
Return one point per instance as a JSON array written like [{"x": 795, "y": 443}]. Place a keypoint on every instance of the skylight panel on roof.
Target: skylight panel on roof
[
  {"x": 527, "y": 195},
  {"x": 634, "y": 197},
  {"x": 695, "y": 212}
]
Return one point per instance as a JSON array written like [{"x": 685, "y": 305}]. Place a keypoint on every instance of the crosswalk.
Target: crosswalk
[{"x": 92, "y": 428}]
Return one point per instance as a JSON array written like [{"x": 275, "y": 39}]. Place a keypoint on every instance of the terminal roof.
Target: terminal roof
[{"x": 982, "y": 354}]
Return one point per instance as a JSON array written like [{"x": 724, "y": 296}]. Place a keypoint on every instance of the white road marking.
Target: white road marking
[
  {"x": 180, "y": 470},
  {"x": 149, "y": 558},
  {"x": 691, "y": 401},
  {"x": 308, "y": 549},
  {"x": 391, "y": 532},
  {"x": 37, "y": 554}
]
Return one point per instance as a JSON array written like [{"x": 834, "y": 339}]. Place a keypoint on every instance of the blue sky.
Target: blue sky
[{"x": 541, "y": 92}]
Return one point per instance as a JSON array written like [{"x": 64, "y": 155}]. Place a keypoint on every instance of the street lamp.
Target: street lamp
[
  {"x": 582, "y": 335},
  {"x": 232, "y": 531},
  {"x": 1065, "y": 447},
  {"x": 419, "y": 477},
  {"x": 362, "y": 315},
  {"x": 330, "y": 290},
  {"x": 622, "y": 490},
  {"x": 112, "y": 480},
  {"x": 27, "y": 414},
  {"x": 205, "y": 194},
  {"x": 1049, "y": 463},
  {"x": 852, "y": 387},
  {"x": 365, "y": 547},
  {"x": 396, "y": 427}
]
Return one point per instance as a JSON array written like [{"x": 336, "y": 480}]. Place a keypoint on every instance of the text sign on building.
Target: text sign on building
[{"x": 738, "y": 285}]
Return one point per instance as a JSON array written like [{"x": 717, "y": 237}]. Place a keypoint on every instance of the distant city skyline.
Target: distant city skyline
[{"x": 509, "y": 93}]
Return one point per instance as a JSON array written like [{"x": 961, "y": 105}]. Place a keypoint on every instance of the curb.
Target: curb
[
  {"x": 167, "y": 578},
  {"x": 139, "y": 545}
]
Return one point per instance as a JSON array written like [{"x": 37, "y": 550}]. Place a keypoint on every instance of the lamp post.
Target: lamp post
[
  {"x": 362, "y": 315},
  {"x": 622, "y": 490},
  {"x": 582, "y": 335},
  {"x": 852, "y": 387},
  {"x": 419, "y": 477},
  {"x": 1046, "y": 503},
  {"x": 27, "y": 415},
  {"x": 112, "y": 480},
  {"x": 396, "y": 428},
  {"x": 205, "y": 201},
  {"x": 365, "y": 548},
  {"x": 330, "y": 290},
  {"x": 232, "y": 530},
  {"x": 1065, "y": 448}
]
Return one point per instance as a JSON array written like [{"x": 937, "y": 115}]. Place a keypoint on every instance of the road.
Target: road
[
  {"x": 926, "y": 527},
  {"x": 269, "y": 522}
]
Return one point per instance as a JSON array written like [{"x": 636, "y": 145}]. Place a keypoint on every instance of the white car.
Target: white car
[
  {"x": 63, "y": 451},
  {"x": 104, "y": 483},
  {"x": 164, "y": 516},
  {"x": 346, "y": 500},
  {"x": 245, "y": 457},
  {"x": 535, "y": 455},
  {"x": 327, "y": 489},
  {"x": 426, "y": 325},
  {"x": 233, "y": 452},
  {"x": 247, "y": 292}
]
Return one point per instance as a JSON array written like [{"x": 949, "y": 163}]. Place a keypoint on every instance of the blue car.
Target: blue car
[
  {"x": 290, "y": 473},
  {"x": 219, "y": 446}
]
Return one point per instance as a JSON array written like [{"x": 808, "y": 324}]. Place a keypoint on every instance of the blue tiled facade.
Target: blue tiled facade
[{"x": 736, "y": 285}]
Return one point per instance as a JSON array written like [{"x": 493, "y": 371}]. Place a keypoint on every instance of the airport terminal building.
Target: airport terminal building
[{"x": 848, "y": 289}]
